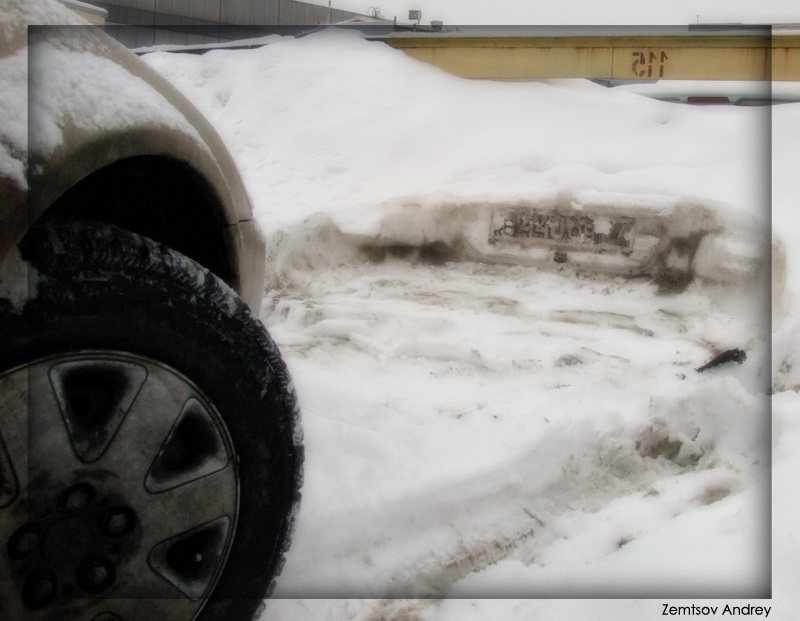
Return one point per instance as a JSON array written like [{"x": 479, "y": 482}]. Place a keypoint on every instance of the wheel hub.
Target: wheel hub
[
  {"x": 75, "y": 546},
  {"x": 66, "y": 540}
]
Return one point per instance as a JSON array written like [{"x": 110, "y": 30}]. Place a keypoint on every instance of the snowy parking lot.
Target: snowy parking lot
[{"x": 484, "y": 423}]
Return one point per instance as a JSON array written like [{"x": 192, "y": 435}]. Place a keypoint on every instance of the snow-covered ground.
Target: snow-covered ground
[
  {"x": 745, "y": 93},
  {"x": 485, "y": 426}
]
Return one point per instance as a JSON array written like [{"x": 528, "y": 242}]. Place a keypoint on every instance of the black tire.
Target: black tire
[{"x": 104, "y": 301}]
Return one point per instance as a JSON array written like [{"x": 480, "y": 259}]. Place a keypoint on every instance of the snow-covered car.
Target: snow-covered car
[
  {"x": 150, "y": 448},
  {"x": 670, "y": 241}
]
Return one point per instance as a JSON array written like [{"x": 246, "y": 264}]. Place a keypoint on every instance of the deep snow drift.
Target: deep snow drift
[{"x": 485, "y": 425}]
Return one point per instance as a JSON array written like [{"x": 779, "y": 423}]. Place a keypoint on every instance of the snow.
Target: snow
[
  {"x": 236, "y": 43},
  {"x": 484, "y": 426},
  {"x": 14, "y": 134},
  {"x": 735, "y": 91},
  {"x": 77, "y": 82},
  {"x": 14, "y": 79},
  {"x": 69, "y": 82},
  {"x": 359, "y": 129},
  {"x": 786, "y": 218},
  {"x": 18, "y": 281}
]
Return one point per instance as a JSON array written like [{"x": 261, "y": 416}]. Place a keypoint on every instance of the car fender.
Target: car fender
[{"x": 93, "y": 103}]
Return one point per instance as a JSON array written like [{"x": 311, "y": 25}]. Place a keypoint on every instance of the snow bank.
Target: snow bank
[
  {"x": 746, "y": 92},
  {"x": 480, "y": 425},
  {"x": 347, "y": 123},
  {"x": 398, "y": 154}
]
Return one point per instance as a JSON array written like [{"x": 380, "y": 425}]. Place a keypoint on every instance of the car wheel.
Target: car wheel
[{"x": 150, "y": 448}]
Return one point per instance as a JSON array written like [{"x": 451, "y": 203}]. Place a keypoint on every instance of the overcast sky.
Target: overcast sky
[{"x": 589, "y": 12}]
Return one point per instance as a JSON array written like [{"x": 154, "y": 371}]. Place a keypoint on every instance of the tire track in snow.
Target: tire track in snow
[{"x": 466, "y": 327}]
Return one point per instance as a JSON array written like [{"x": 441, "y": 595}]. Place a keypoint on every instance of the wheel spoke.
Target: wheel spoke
[
  {"x": 181, "y": 483},
  {"x": 13, "y": 437},
  {"x": 191, "y": 560},
  {"x": 188, "y": 506},
  {"x": 186, "y": 533},
  {"x": 147, "y": 425},
  {"x": 51, "y": 459},
  {"x": 13, "y": 473},
  {"x": 194, "y": 449},
  {"x": 94, "y": 395}
]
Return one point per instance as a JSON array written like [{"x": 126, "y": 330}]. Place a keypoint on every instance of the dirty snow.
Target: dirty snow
[{"x": 482, "y": 427}]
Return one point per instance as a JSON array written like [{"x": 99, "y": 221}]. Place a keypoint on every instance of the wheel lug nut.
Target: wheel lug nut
[
  {"x": 95, "y": 575},
  {"x": 39, "y": 589},
  {"x": 76, "y": 500},
  {"x": 27, "y": 542},
  {"x": 118, "y": 521},
  {"x": 42, "y": 589},
  {"x": 24, "y": 541},
  {"x": 76, "y": 497}
]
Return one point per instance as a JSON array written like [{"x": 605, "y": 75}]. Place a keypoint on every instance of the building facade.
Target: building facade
[{"x": 142, "y": 23}]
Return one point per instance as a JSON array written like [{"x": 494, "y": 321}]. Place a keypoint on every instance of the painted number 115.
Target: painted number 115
[{"x": 649, "y": 64}]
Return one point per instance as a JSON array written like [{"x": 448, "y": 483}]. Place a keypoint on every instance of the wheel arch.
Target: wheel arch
[{"x": 156, "y": 182}]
